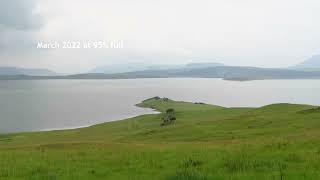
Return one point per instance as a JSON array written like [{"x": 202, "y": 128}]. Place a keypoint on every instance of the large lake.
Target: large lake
[{"x": 59, "y": 104}]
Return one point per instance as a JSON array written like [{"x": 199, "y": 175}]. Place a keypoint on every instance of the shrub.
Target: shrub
[
  {"x": 165, "y": 99},
  {"x": 170, "y": 110},
  {"x": 172, "y": 118},
  {"x": 168, "y": 117}
]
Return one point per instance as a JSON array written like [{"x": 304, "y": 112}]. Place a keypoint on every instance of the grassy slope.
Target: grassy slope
[{"x": 206, "y": 142}]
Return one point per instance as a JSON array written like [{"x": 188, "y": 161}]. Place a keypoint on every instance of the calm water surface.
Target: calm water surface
[{"x": 59, "y": 104}]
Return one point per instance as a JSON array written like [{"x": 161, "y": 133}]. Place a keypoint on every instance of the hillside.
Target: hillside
[
  {"x": 279, "y": 141},
  {"x": 125, "y": 68},
  {"x": 236, "y": 73},
  {"x": 24, "y": 71}
]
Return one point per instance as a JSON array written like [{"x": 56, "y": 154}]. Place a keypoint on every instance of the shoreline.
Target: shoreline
[{"x": 84, "y": 126}]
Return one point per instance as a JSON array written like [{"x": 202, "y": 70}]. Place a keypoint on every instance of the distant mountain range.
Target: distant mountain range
[
  {"x": 310, "y": 69},
  {"x": 225, "y": 72},
  {"x": 123, "y": 68},
  {"x": 24, "y": 71},
  {"x": 313, "y": 63}
]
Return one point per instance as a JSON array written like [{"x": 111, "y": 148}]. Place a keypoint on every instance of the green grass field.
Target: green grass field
[{"x": 280, "y": 141}]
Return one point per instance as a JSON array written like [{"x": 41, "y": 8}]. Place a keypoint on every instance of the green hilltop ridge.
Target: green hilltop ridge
[{"x": 279, "y": 141}]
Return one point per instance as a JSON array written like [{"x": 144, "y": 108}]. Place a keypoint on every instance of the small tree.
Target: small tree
[
  {"x": 170, "y": 110},
  {"x": 168, "y": 117}
]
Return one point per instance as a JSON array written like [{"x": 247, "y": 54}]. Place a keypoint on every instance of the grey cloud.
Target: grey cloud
[
  {"x": 18, "y": 24},
  {"x": 18, "y": 14},
  {"x": 249, "y": 32}
]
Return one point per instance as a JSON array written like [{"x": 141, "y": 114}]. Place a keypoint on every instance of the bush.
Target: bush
[
  {"x": 168, "y": 117},
  {"x": 165, "y": 99},
  {"x": 170, "y": 110},
  {"x": 172, "y": 118}
]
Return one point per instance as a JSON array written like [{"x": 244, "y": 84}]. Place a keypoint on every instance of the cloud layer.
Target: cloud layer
[
  {"x": 19, "y": 15},
  {"x": 265, "y": 33}
]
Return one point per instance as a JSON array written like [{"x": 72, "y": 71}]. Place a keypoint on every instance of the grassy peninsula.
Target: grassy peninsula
[{"x": 186, "y": 141}]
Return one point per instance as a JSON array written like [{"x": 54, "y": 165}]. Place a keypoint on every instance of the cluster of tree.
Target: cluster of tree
[
  {"x": 158, "y": 98},
  {"x": 169, "y": 117}
]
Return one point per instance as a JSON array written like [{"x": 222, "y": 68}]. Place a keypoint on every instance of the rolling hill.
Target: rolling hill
[{"x": 278, "y": 141}]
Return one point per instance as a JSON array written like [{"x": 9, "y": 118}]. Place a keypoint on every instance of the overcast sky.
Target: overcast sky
[{"x": 265, "y": 33}]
